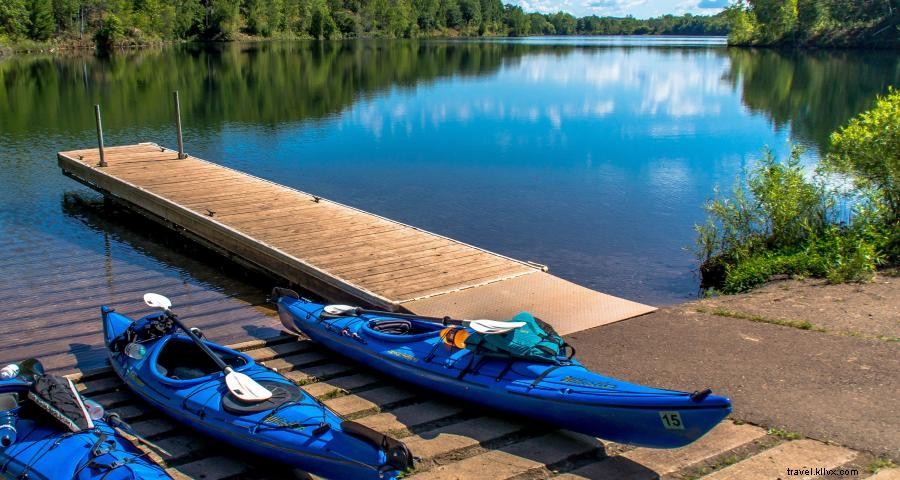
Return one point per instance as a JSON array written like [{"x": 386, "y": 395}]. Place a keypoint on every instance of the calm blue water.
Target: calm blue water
[{"x": 593, "y": 156}]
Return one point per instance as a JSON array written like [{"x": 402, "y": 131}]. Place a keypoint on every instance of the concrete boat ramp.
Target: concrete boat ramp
[{"x": 458, "y": 441}]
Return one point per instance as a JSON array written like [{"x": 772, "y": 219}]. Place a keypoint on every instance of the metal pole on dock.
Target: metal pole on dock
[
  {"x": 178, "y": 126},
  {"x": 99, "y": 135}
]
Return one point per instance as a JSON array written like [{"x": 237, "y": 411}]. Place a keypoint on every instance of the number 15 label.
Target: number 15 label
[{"x": 671, "y": 420}]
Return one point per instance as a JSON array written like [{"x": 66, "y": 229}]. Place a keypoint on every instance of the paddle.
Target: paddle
[
  {"x": 241, "y": 386},
  {"x": 487, "y": 327}
]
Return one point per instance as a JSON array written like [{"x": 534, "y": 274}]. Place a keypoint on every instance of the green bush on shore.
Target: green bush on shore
[{"x": 782, "y": 221}]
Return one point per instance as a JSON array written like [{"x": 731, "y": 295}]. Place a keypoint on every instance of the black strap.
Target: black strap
[
  {"x": 543, "y": 375},
  {"x": 465, "y": 370},
  {"x": 433, "y": 351},
  {"x": 509, "y": 364}
]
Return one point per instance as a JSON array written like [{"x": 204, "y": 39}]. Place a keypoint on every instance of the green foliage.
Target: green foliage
[
  {"x": 322, "y": 24},
  {"x": 223, "y": 19},
  {"x": 108, "y": 33},
  {"x": 814, "y": 22},
  {"x": 148, "y": 21},
  {"x": 779, "y": 222},
  {"x": 868, "y": 149},
  {"x": 14, "y": 19},
  {"x": 41, "y": 23}
]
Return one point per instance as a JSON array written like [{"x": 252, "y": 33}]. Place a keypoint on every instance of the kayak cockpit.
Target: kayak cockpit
[
  {"x": 179, "y": 361},
  {"x": 397, "y": 330}
]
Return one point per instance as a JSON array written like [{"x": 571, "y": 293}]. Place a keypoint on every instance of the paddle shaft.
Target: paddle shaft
[
  {"x": 224, "y": 366},
  {"x": 442, "y": 321}
]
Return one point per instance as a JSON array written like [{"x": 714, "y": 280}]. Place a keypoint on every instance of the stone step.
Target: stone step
[
  {"x": 259, "y": 343},
  {"x": 340, "y": 385},
  {"x": 456, "y": 440},
  {"x": 209, "y": 468},
  {"x": 311, "y": 374},
  {"x": 773, "y": 463},
  {"x": 400, "y": 421},
  {"x": 290, "y": 362},
  {"x": 649, "y": 463},
  {"x": 154, "y": 427},
  {"x": 280, "y": 350},
  {"x": 99, "y": 385},
  {"x": 518, "y": 460},
  {"x": 368, "y": 402}
]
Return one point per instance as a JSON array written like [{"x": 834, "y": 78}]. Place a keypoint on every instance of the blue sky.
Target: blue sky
[{"x": 637, "y": 8}]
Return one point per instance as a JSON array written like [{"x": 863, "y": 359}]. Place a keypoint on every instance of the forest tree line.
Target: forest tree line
[
  {"x": 112, "y": 22},
  {"x": 815, "y": 22}
]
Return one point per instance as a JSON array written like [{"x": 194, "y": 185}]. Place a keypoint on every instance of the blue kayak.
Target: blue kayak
[
  {"x": 43, "y": 449},
  {"x": 562, "y": 393},
  {"x": 173, "y": 374}
]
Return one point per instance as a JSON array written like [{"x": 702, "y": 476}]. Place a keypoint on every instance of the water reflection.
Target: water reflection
[{"x": 583, "y": 154}]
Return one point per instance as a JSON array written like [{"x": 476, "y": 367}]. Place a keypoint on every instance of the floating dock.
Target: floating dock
[{"x": 337, "y": 251}]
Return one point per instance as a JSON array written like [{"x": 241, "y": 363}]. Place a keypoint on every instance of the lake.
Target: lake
[{"x": 591, "y": 155}]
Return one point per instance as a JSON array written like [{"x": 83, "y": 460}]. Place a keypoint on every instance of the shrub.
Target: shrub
[
  {"x": 868, "y": 149},
  {"x": 108, "y": 33},
  {"x": 779, "y": 222}
]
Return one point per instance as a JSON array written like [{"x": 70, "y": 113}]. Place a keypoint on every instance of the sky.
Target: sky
[{"x": 620, "y": 8}]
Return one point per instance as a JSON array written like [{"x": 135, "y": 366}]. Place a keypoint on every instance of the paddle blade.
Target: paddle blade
[
  {"x": 245, "y": 388},
  {"x": 494, "y": 327},
  {"x": 156, "y": 300},
  {"x": 339, "y": 309}
]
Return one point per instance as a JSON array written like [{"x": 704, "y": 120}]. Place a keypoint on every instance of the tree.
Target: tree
[
  {"x": 14, "y": 20},
  {"x": 427, "y": 13},
  {"x": 322, "y": 24},
  {"x": 221, "y": 19},
  {"x": 41, "y": 23},
  {"x": 108, "y": 33},
  {"x": 187, "y": 19},
  {"x": 868, "y": 148},
  {"x": 471, "y": 12},
  {"x": 516, "y": 21},
  {"x": 451, "y": 14},
  {"x": 563, "y": 23}
]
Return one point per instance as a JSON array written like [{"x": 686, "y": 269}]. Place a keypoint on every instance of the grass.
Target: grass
[
  {"x": 881, "y": 464},
  {"x": 798, "y": 324},
  {"x": 722, "y": 463},
  {"x": 724, "y": 312},
  {"x": 337, "y": 392},
  {"x": 784, "y": 434}
]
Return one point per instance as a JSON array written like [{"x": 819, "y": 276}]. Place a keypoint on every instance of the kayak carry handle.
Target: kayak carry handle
[{"x": 699, "y": 396}]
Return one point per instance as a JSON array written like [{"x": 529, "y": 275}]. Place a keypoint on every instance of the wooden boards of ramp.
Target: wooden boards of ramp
[{"x": 335, "y": 250}]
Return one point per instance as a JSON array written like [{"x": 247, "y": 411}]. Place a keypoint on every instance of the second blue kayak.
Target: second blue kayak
[{"x": 562, "y": 392}]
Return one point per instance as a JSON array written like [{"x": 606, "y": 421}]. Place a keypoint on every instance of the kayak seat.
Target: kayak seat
[
  {"x": 392, "y": 327},
  {"x": 182, "y": 360},
  {"x": 394, "y": 330}
]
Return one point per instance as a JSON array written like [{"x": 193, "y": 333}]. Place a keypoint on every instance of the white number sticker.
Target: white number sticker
[{"x": 671, "y": 420}]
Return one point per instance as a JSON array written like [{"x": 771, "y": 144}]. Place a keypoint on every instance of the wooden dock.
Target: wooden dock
[
  {"x": 454, "y": 441},
  {"x": 337, "y": 251}
]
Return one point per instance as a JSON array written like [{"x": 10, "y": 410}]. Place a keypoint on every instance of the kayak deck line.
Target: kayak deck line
[
  {"x": 335, "y": 250},
  {"x": 449, "y": 440}
]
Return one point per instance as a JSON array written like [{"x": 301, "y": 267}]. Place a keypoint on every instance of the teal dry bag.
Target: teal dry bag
[{"x": 529, "y": 342}]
